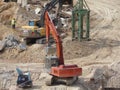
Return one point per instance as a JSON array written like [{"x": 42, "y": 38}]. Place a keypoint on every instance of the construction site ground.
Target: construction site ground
[{"x": 99, "y": 57}]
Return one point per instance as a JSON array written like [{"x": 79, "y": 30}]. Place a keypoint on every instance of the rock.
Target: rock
[
  {"x": 9, "y": 43},
  {"x": 22, "y": 47},
  {"x": 63, "y": 35},
  {"x": 43, "y": 75},
  {"x": 28, "y": 7},
  {"x": 11, "y": 40},
  {"x": 66, "y": 14},
  {"x": 114, "y": 77},
  {"x": 10, "y": 37},
  {"x": 65, "y": 22},
  {"x": 96, "y": 74},
  {"x": 37, "y": 10}
]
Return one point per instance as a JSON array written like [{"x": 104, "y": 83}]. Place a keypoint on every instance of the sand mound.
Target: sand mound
[
  {"x": 76, "y": 49},
  {"x": 7, "y": 12},
  {"x": 34, "y": 53}
]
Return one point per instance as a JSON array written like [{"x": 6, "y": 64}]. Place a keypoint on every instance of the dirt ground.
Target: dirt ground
[{"x": 101, "y": 51}]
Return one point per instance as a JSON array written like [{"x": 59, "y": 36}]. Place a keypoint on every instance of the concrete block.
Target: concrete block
[
  {"x": 22, "y": 47},
  {"x": 9, "y": 43}
]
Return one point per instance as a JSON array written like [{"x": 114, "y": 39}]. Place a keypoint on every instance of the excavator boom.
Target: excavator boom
[
  {"x": 59, "y": 70},
  {"x": 48, "y": 7},
  {"x": 50, "y": 28}
]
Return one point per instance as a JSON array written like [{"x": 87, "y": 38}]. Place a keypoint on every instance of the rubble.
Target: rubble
[
  {"x": 37, "y": 10},
  {"x": 12, "y": 42},
  {"x": 66, "y": 14},
  {"x": 28, "y": 7},
  {"x": 22, "y": 47},
  {"x": 114, "y": 79}
]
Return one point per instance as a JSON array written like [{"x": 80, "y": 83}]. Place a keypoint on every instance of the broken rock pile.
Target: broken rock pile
[{"x": 11, "y": 42}]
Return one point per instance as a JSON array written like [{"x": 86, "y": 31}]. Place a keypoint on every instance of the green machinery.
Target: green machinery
[{"x": 81, "y": 19}]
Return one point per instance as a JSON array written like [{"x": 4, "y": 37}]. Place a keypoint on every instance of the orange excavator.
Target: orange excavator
[{"x": 54, "y": 64}]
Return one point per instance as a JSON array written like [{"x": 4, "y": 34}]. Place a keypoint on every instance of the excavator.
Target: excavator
[
  {"x": 54, "y": 64},
  {"x": 34, "y": 32}
]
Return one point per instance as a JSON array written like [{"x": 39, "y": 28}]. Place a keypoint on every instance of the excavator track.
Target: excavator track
[
  {"x": 49, "y": 80},
  {"x": 70, "y": 81}
]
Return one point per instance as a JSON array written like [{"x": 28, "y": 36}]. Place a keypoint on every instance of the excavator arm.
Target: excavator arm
[
  {"x": 50, "y": 28},
  {"x": 48, "y": 7}
]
